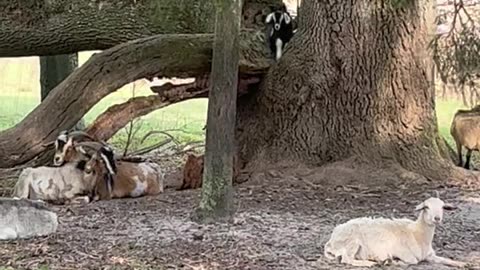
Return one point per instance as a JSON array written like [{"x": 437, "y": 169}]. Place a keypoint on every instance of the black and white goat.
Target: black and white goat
[{"x": 279, "y": 31}]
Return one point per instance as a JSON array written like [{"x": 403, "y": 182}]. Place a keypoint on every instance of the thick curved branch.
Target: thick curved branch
[
  {"x": 116, "y": 117},
  {"x": 105, "y": 72},
  {"x": 39, "y": 27}
]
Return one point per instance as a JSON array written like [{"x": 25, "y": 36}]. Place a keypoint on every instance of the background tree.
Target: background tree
[
  {"x": 456, "y": 47},
  {"x": 217, "y": 192},
  {"x": 53, "y": 70}
]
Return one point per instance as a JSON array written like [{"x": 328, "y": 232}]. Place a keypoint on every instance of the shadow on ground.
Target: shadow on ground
[{"x": 280, "y": 224}]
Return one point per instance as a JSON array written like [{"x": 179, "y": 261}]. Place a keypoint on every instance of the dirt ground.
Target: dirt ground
[{"x": 281, "y": 223}]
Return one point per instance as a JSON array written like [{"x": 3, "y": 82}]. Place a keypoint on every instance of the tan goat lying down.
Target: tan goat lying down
[
  {"x": 119, "y": 179},
  {"x": 367, "y": 242}
]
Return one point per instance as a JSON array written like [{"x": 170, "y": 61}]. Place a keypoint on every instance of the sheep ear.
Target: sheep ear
[
  {"x": 269, "y": 18},
  {"x": 420, "y": 207},
  {"x": 449, "y": 207}
]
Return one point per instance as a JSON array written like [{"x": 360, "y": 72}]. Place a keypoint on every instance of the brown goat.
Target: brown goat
[
  {"x": 193, "y": 171},
  {"x": 121, "y": 179},
  {"x": 465, "y": 130}
]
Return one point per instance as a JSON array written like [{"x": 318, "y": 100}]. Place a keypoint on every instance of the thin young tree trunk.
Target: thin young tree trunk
[{"x": 217, "y": 201}]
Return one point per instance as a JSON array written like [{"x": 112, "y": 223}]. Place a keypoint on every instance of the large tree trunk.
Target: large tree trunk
[
  {"x": 217, "y": 190},
  {"x": 162, "y": 56},
  {"x": 39, "y": 27},
  {"x": 353, "y": 88}
]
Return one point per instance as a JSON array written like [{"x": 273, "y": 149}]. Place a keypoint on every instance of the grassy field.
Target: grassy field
[{"x": 20, "y": 93}]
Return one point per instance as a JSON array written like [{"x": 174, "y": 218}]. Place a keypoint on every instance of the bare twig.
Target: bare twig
[
  {"x": 130, "y": 128},
  {"x": 455, "y": 52},
  {"x": 163, "y": 132},
  {"x": 149, "y": 149}
]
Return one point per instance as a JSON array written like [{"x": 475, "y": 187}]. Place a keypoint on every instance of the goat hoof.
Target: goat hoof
[
  {"x": 80, "y": 200},
  {"x": 386, "y": 262}
]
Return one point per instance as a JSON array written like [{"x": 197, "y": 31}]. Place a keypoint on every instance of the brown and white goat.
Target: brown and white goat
[
  {"x": 117, "y": 179},
  {"x": 64, "y": 147}
]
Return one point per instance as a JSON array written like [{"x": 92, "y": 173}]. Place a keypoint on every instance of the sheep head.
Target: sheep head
[{"x": 431, "y": 210}]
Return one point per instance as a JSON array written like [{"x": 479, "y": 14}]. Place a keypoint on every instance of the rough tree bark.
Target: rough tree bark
[
  {"x": 53, "y": 70},
  {"x": 163, "y": 56},
  {"x": 39, "y": 27},
  {"x": 352, "y": 89},
  {"x": 217, "y": 202}
]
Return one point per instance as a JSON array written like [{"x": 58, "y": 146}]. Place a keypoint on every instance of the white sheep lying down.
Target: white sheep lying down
[{"x": 367, "y": 241}]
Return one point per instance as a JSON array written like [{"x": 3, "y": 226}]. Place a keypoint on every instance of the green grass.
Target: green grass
[
  {"x": 20, "y": 94},
  {"x": 445, "y": 110}
]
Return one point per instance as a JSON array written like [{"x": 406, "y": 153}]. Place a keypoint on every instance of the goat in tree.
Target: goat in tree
[{"x": 279, "y": 30}]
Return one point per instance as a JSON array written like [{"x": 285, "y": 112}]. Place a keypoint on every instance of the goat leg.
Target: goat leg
[
  {"x": 467, "y": 162},
  {"x": 446, "y": 261},
  {"x": 459, "y": 151},
  {"x": 79, "y": 200}
]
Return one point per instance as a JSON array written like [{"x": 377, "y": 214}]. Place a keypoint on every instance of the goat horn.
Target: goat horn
[
  {"x": 436, "y": 194},
  {"x": 92, "y": 145},
  {"x": 80, "y": 133}
]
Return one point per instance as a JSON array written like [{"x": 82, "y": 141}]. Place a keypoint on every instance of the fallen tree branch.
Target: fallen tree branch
[
  {"x": 105, "y": 72},
  {"x": 116, "y": 117}
]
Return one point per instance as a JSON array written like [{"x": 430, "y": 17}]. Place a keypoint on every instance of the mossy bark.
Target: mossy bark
[
  {"x": 217, "y": 203},
  {"x": 39, "y": 27}
]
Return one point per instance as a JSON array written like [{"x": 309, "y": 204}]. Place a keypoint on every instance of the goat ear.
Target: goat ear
[
  {"x": 69, "y": 142},
  {"x": 449, "y": 207},
  {"x": 269, "y": 18},
  {"x": 287, "y": 18},
  {"x": 420, "y": 207}
]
